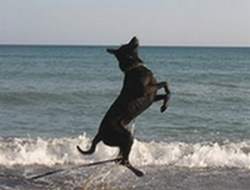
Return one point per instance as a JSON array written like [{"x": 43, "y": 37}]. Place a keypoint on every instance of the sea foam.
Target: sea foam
[{"x": 28, "y": 151}]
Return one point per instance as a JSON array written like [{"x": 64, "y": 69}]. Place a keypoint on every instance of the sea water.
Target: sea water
[{"x": 53, "y": 98}]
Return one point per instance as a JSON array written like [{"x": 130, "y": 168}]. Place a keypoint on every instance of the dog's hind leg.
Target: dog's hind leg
[
  {"x": 124, "y": 152},
  {"x": 91, "y": 150}
]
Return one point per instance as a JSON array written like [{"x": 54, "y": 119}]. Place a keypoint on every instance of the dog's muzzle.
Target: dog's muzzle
[{"x": 111, "y": 51}]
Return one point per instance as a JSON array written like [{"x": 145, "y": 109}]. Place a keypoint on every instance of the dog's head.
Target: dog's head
[{"x": 127, "y": 55}]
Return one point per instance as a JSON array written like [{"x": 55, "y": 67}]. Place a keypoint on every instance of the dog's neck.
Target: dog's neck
[{"x": 133, "y": 67}]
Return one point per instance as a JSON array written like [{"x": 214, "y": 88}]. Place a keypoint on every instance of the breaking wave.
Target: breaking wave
[{"x": 28, "y": 151}]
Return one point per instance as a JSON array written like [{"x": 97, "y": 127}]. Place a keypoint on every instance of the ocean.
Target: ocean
[{"x": 53, "y": 98}]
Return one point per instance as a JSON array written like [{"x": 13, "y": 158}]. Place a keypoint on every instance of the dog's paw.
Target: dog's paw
[{"x": 163, "y": 108}]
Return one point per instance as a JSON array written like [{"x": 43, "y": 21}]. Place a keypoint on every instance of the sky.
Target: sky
[{"x": 108, "y": 22}]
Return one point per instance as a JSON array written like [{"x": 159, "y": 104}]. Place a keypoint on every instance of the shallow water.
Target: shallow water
[{"x": 164, "y": 178}]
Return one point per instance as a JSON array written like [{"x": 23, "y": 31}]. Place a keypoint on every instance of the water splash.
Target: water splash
[{"x": 49, "y": 152}]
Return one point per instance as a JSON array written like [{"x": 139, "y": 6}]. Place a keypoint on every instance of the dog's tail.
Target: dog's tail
[{"x": 91, "y": 150}]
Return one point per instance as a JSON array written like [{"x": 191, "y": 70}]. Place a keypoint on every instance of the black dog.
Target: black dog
[{"x": 139, "y": 91}]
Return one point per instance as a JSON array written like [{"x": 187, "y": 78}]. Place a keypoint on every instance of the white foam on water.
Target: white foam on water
[
  {"x": 200, "y": 155},
  {"x": 27, "y": 151}
]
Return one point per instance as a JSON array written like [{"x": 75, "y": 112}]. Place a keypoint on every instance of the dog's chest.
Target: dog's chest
[{"x": 137, "y": 83}]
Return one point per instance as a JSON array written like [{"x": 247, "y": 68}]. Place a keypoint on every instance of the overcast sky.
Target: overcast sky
[{"x": 155, "y": 22}]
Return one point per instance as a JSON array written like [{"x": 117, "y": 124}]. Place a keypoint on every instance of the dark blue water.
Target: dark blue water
[
  {"x": 51, "y": 95},
  {"x": 63, "y": 91}
]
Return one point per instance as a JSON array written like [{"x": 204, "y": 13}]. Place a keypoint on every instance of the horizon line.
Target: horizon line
[{"x": 113, "y": 45}]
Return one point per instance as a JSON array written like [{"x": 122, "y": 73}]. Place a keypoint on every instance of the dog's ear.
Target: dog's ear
[
  {"x": 111, "y": 51},
  {"x": 134, "y": 42}
]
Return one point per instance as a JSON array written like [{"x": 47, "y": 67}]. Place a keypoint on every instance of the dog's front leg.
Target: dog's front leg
[
  {"x": 163, "y": 85},
  {"x": 164, "y": 97}
]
